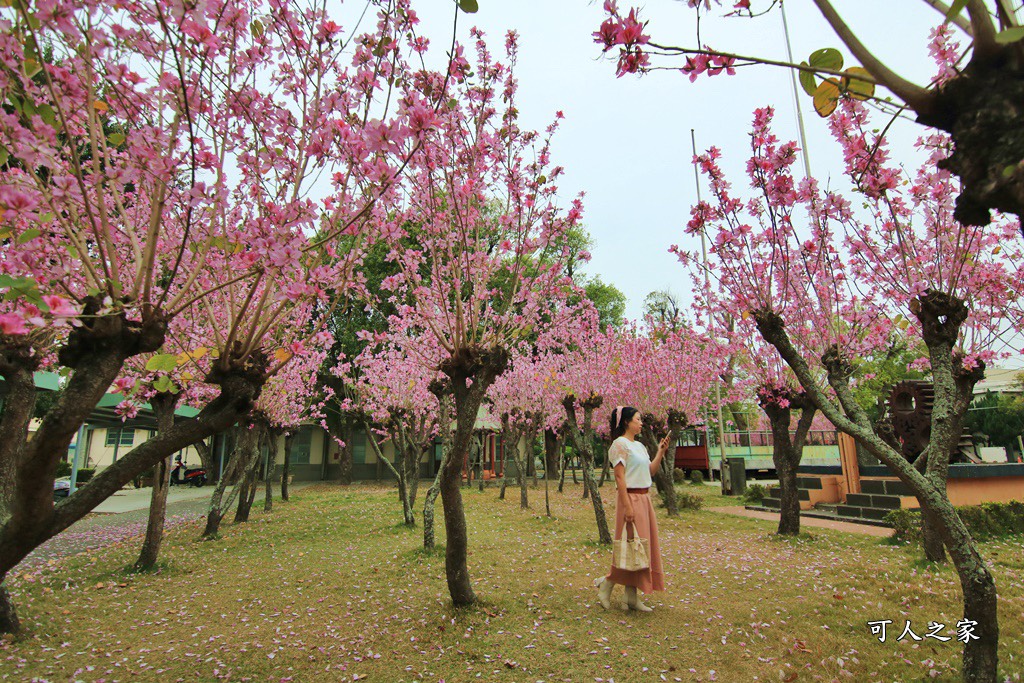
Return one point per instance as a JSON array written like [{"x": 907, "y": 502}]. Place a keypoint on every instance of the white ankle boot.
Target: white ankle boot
[
  {"x": 633, "y": 600},
  {"x": 604, "y": 591}
]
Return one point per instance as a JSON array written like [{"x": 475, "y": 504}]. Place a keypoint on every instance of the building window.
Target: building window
[
  {"x": 300, "y": 446},
  {"x": 124, "y": 436}
]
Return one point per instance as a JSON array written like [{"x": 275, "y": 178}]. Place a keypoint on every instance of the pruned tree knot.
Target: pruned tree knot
[
  {"x": 592, "y": 402},
  {"x": 837, "y": 364},
  {"x": 941, "y": 316},
  {"x": 769, "y": 324}
]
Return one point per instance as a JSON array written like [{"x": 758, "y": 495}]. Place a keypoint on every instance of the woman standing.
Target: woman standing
[{"x": 633, "y": 471}]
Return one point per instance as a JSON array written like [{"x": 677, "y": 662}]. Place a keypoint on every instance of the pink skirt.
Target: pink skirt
[{"x": 652, "y": 578}]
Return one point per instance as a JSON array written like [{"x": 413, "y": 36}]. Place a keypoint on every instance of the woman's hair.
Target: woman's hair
[{"x": 620, "y": 417}]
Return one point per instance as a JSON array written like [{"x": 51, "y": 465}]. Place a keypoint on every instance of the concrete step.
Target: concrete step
[
  {"x": 772, "y": 503},
  {"x": 884, "y": 486},
  {"x": 874, "y": 500},
  {"x": 776, "y": 492},
  {"x": 808, "y": 482}
]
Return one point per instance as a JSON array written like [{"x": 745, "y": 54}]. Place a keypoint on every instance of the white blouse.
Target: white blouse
[{"x": 636, "y": 459}]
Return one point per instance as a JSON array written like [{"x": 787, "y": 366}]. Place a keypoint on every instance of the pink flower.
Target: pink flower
[
  {"x": 12, "y": 323},
  {"x": 59, "y": 307}
]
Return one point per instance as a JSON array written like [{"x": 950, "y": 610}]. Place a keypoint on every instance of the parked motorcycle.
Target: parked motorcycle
[{"x": 183, "y": 475}]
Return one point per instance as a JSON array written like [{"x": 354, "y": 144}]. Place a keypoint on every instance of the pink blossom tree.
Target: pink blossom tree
[
  {"x": 667, "y": 376},
  {"x": 160, "y": 166},
  {"x": 518, "y": 399},
  {"x": 908, "y": 260},
  {"x": 971, "y": 102},
  {"x": 481, "y": 212},
  {"x": 393, "y": 396}
]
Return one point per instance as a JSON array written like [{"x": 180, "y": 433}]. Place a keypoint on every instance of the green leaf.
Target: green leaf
[
  {"x": 257, "y": 28},
  {"x": 27, "y": 235},
  {"x": 115, "y": 139},
  {"x": 469, "y": 6},
  {"x": 807, "y": 81},
  {"x": 30, "y": 67},
  {"x": 45, "y": 112},
  {"x": 4, "y": 156},
  {"x": 163, "y": 384},
  {"x": 955, "y": 9},
  {"x": 1010, "y": 35},
  {"x": 162, "y": 362},
  {"x": 827, "y": 58}
]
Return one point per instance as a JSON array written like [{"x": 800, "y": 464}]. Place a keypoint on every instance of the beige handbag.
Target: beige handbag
[{"x": 631, "y": 554}]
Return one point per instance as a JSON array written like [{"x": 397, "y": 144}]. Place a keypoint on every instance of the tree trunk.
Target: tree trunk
[
  {"x": 934, "y": 548},
  {"x": 787, "y": 451},
  {"x": 248, "y": 493},
  {"x": 582, "y": 442},
  {"x": 481, "y": 367},
  {"x": 397, "y": 469},
  {"x": 237, "y": 469},
  {"x": 286, "y": 467},
  {"x": 504, "y": 474},
  {"x": 561, "y": 480},
  {"x": 480, "y": 462},
  {"x": 34, "y": 518},
  {"x": 163, "y": 406},
  {"x": 206, "y": 457},
  {"x": 552, "y": 454},
  {"x": 428, "y": 504},
  {"x": 273, "y": 437},
  {"x": 18, "y": 370},
  {"x": 941, "y": 316},
  {"x": 9, "y": 622},
  {"x": 547, "y": 497}
]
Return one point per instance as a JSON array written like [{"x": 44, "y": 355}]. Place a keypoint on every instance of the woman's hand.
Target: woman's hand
[
  {"x": 664, "y": 445},
  {"x": 630, "y": 518}
]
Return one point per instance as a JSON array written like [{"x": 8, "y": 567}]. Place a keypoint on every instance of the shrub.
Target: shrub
[
  {"x": 84, "y": 474},
  {"x": 678, "y": 475},
  {"x": 754, "y": 494},
  {"x": 696, "y": 477},
  {"x": 689, "y": 501},
  {"x": 63, "y": 469},
  {"x": 985, "y": 521}
]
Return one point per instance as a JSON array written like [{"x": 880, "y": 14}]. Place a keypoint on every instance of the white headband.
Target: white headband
[{"x": 618, "y": 415}]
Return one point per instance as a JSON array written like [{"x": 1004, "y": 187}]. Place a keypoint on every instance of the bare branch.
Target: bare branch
[{"x": 943, "y": 9}]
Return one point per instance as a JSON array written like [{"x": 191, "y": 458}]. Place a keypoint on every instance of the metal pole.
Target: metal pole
[
  {"x": 707, "y": 284},
  {"x": 79, "y": 446},
  {"x": 796, "y": 95}
]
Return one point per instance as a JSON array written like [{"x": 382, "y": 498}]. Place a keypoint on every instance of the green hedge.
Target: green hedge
[
  {"x": 85, "y": 474},
  {"x": 985, "y": 521},
  {"x": 63, "y": 469},
  {"x": 754, "y": 494}
]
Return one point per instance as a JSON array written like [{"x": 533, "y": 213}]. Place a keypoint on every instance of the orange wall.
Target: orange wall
[{"x": 992, "y": 490}]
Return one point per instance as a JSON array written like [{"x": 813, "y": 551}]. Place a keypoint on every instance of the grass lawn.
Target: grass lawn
[{"x": 330, "y": 587}]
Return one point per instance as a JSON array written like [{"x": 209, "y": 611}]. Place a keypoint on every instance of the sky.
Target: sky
[{"x": 626, "y": 142}]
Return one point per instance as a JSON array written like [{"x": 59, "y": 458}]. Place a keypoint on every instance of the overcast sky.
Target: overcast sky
[{"x": 625, "y": 142}]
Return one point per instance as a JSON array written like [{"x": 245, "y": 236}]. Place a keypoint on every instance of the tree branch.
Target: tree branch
[
  {"x": 943, "y": 9},
  {"x": 985, "y": 46},
  {"x": 919, "y": 99}
]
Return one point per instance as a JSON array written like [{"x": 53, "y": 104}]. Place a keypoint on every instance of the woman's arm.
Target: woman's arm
[
  {"x": 620, "y": 488},
  {"x": 662, "y": 450}
]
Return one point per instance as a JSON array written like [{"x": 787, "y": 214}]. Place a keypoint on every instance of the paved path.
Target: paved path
[
  {"x": 849, "y": 527},
  {"x": 123, "y": 517}
]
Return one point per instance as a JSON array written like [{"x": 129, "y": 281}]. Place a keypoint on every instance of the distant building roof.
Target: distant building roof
[{"x": 1001, "y": 381}]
